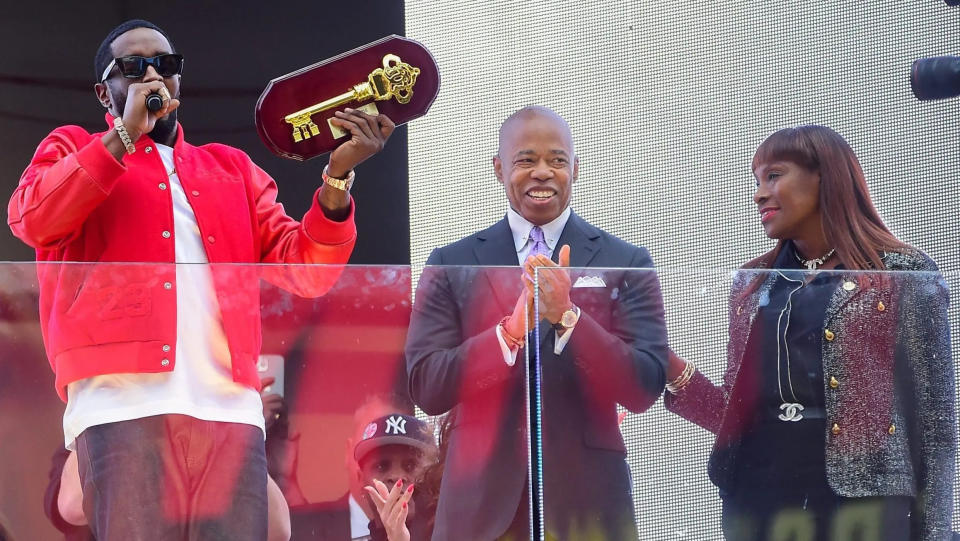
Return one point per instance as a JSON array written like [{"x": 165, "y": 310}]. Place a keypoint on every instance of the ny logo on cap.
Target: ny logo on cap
[{"x": 397, "y": 425}]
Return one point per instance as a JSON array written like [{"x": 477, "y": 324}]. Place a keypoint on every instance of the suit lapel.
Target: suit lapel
[
  {"x": 495, "y": 247},
  {"x": 583, "y": 240}
]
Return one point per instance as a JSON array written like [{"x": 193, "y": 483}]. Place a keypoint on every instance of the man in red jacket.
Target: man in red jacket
[{"x": 156, "y": 362}]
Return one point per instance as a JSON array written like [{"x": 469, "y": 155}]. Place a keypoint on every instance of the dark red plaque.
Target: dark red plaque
[{"x": 394, "y": 75}]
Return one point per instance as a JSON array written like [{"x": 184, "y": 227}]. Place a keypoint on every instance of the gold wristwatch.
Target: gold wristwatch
[
  {"x": 569, "y": 319},
  {"x": 343, "y": 184}
]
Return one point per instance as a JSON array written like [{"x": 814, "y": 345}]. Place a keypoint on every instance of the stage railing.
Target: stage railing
[{"x": 573, "y": 430}]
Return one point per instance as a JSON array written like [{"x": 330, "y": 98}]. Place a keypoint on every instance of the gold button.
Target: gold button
[
  {"x": 880, "y": 306},
  {"x": 834, "y": 383},
  {"x": 892, "y": 429},
  {"x": 836, "y": 429},
  {"x": 828, "y": 334},
  {"x": 849, "y": 286}
]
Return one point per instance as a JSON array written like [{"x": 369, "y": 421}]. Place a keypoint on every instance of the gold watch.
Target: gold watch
[
  {"x": 342, "y": 184},
  {"x": 568, "y": 319}
]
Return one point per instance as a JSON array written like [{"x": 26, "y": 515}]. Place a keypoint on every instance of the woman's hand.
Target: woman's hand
[{"x": 393, "y": 508}]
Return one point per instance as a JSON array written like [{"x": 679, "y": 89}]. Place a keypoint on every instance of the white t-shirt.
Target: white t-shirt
[
  {"x": 201, "y": 384},
  {"x": 359, "y": 523}
]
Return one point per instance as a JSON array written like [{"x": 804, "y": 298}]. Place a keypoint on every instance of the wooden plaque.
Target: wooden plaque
[{"x": 394, "y": 75}]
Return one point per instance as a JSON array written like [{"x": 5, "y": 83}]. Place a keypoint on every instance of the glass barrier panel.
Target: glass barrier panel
[
  {"x": 798, "y": 404},
  {"x": 157, "y": 358},
  {"x": 466, "y": 361}
]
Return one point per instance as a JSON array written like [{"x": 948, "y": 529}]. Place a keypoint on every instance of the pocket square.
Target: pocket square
[{"x": 589, "y": 281}]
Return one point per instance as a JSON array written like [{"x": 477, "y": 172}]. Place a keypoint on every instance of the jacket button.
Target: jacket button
[
  {"x": 148, "y": 150},
  {"x": 880, "y": 306},
  {"x": 167, "y": 285},
  {"x": 211, "y": 239},
  {"x": 165, "y": 362},
  {"x": 739, "y": 310},
  {"x": 892, "y": 429},
  {"x": 165, "y": 234},
  {"x": 166, "y": 347},
  {"x": 162, "y": 186},
  {"x": 195, "y": 193},
  {"x": 849, "y": 286},
  {"x": 836, "y": 429},
  {"x": 834, "y": 383},
  {"x": 828, "y": 334}
]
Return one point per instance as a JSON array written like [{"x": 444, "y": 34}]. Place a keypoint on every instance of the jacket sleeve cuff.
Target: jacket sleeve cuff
[
  {"x": 323, "y": 230},
  {"x": 100, "y": 165}
]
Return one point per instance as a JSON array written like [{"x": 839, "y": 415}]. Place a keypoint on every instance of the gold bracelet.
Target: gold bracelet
[
  {"x": 342, "y": 184},
  {"x": 124, "y": 136},
  {"x": 683, "y": 379}
]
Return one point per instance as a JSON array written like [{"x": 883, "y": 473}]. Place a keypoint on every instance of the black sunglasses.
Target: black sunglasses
[{"x": 134, "y": 67}]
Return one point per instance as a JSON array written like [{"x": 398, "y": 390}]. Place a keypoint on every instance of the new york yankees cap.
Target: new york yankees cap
[{"x": 395, "y": 429}]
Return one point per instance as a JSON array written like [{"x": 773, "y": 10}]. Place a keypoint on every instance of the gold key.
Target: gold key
[{"x": 394, "y": 80}]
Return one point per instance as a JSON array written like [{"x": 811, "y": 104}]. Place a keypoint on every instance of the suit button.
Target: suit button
[
  {"x": 195, "y": 193},
  {"x": 739, "y": 310},
  {"x": 165, "y": 234},
  {"x": 166, "y": 347},
  {"x": 892, "y": 429},
  {"x": 148, "y": 150},
  {"x": 834, "y": 383},
  {"x": 162, "y": 186},
  {"x": 828, "y": 334},
  {"x": 836, "y": 429},
  {"x": 849, "y": 286},
  {"x": 211, "y": 239},
  {"x": 165, "y": 362},
  {"x": 880, "y": 306},
  {"x": 167, "y": 285}
]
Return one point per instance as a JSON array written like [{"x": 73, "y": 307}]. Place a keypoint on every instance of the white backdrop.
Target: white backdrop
[{"x": 668, "y": 101}]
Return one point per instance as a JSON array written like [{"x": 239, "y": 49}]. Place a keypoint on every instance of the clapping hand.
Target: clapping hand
[{"x": 392, "y": 505}]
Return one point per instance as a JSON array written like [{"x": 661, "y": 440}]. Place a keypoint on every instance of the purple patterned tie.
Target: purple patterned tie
[{"x": 539, "y": 243}]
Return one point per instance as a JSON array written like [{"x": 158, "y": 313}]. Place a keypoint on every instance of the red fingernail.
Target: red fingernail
[
  {"x": 410, "y": 488},
  {"x": 404, "y": 505},
  {"x": 399, "y": 482}
]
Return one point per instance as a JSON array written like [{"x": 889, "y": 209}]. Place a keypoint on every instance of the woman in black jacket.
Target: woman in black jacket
[{"x": 836, "y": 413}]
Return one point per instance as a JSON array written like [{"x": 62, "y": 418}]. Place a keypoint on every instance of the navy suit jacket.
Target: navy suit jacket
[{"x": 617, "y": 354}]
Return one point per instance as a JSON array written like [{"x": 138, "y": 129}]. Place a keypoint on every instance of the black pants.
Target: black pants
[
  {"x": 173, "y": 477},
  {"x": 767, "y": 515}
]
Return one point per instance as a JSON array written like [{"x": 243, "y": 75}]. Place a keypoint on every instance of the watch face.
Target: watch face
[{"x": 569, "y": 319}]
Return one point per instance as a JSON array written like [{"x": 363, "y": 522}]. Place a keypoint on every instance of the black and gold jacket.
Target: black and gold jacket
[{"x": 888, "y": 382}]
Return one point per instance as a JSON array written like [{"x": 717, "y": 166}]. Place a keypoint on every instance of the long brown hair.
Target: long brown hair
[{"x": 851, "y": 224}]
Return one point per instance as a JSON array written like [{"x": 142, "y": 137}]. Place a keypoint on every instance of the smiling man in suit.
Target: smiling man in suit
[{"x": 599, "y": 346}]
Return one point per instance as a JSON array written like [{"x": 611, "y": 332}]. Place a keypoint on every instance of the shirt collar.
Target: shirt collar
[{"x": 521, "y": 228}]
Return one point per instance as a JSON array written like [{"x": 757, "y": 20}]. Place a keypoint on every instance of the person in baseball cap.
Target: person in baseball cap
[{"x": 394, "y": 451}]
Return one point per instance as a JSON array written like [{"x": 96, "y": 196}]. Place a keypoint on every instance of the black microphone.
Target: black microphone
[
  {"x": 154, "y": 102},
  {"x": 935, "y": 78}
]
